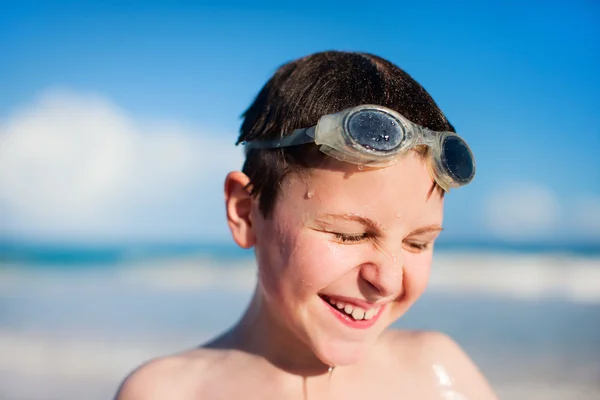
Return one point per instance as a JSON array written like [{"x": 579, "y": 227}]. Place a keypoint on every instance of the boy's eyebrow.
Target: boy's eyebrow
[
  {"x": 377, "y": 227},
  {"x": 355, "y": 218},
  {"x": 427, "y": 229}
]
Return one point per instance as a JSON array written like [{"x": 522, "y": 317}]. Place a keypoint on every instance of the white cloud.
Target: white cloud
[
  {"x": 75, "y": 165},
  {"x": 522, "y": 212},
  {"x": 533, "y": 212}
]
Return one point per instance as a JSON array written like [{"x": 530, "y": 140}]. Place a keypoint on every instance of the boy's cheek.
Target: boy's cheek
[
  {"x": 317, "y": 267},
  {"x": 416, "y": 276},
  {"x": 290, "y": 270}
]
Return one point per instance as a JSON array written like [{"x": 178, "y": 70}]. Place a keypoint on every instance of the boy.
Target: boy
[{"x": 341, "y": 196}]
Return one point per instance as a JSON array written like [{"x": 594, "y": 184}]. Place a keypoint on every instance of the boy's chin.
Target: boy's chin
[{"x": 341, "y": 353}]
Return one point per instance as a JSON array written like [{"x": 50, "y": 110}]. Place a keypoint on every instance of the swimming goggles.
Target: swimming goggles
[{"x": 374, "y": 136}]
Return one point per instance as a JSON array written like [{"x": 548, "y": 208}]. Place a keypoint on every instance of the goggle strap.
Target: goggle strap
[{"x": 299, "y": 136}]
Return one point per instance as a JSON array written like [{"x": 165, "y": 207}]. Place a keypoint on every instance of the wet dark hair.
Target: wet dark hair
[{"x": 302, "y": 91}]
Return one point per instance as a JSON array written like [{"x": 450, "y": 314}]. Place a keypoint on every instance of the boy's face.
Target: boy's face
[{"x": 360, "y": 239}]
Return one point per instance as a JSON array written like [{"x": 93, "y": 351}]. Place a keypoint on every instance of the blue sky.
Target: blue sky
[{"x": 519, "y": 81}]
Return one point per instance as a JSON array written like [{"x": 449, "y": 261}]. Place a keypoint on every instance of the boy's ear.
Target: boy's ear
[{"x": 238, "y": 204}]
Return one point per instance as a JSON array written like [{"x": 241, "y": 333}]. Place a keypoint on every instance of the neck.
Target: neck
[{"x": 262, "y": 333}]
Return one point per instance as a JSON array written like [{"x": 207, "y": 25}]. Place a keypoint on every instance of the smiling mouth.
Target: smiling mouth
[{"x": 352, "y": 313}]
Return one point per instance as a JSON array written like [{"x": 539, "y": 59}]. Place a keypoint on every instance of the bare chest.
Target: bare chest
[{"x": 334, "y": 388}]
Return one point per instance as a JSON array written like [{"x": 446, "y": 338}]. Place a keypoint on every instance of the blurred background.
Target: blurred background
[{"x": 117, "y": 127}]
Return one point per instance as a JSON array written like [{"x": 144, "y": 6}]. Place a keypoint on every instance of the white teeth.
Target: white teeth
[
  {"x": 357, "y": 313},
  {"x": 370, "y": 314}
]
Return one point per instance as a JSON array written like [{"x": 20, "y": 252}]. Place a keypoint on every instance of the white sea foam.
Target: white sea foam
[
  {"x": 511, "y": 275},
  {"x": 519, "y": 276}
]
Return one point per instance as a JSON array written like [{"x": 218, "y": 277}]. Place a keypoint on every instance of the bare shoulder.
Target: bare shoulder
[
  {"x": 445, "y": 361},
  {"x": 172, "y": 377}
]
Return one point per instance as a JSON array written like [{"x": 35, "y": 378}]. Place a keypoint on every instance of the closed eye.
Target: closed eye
[
  {"x": 418, "y": 246},
  {"x": 353, "y": 238}
]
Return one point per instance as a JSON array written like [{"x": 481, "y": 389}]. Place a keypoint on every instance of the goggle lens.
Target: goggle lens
[
  {"x": 457, "y": 159},
  {"x": 376, "y": 130}
]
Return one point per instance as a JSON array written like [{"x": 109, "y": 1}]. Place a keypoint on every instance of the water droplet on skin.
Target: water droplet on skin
[
  {"x": 310, "y": 194},
  {"x": 333, "y": 247},
  {"x": 446, "y": 384}
]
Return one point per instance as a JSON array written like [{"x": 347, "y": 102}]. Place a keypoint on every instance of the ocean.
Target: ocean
[{"x": 75, "y": 319}]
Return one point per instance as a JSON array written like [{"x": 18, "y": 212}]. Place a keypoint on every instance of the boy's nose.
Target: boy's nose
[{"x": 384, "y": 274}]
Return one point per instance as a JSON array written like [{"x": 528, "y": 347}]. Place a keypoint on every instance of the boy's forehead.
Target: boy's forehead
[{"x": 403, "y": 187}]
